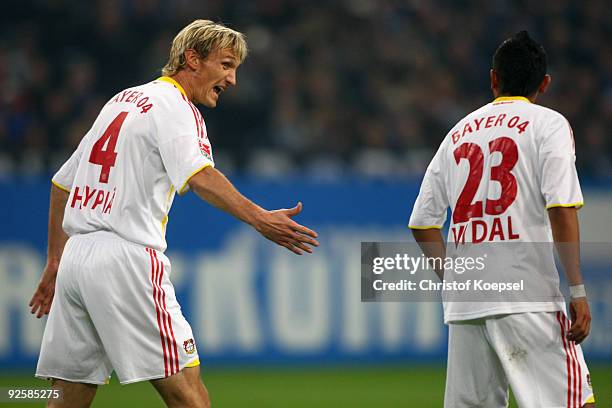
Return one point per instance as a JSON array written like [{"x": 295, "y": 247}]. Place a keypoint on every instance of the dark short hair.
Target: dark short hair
[{"x": 520, "y": 63}]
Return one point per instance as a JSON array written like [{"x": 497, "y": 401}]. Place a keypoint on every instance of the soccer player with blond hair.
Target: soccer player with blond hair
[{"x": 106, "y": 284}]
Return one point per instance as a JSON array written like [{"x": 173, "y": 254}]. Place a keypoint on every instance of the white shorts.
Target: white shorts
[
  {"x": 527, "y": 351},
  {"x": 114, "y": 308}
]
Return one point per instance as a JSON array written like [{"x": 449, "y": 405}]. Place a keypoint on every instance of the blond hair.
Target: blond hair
[{"x": 203, "y": 36}]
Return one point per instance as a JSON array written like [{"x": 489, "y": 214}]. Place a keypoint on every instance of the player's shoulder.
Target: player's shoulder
[
  {"x": 474, "y": 114},
  {"x": 142, "y": 97},
  {"x": 547, "y": 114},
  {"x": 163, "y": 91},
  {"x": 168, "y": 99},
  {"x": 463, "y": 121},
  {"x": 546, "y": 122}
]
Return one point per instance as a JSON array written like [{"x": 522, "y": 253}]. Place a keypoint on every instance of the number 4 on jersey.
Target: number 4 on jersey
[{"x": 106, "y": 157}]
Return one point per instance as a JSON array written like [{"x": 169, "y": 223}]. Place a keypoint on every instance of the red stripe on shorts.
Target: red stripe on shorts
[
  {"x": 176, "y": 358},
  {"x": 578, "y": 379},
  {"x": 157, "y": 308},
  {"x": 172, "y": 350},
  {"x": 574, "y": 364},
  {"x": 567, "y": 360},
  {"x": 158, "y": 277}
]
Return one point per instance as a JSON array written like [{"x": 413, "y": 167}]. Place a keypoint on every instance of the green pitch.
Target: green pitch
[{"x": 354, "y": 386}]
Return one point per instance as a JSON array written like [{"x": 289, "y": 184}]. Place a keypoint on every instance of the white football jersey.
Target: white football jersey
[
  {"x": 499, "y": 170},
  {"x": 144, "y": 146}
]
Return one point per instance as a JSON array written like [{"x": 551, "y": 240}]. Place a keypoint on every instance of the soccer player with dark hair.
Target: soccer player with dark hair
[{"x": 507, "y": 171}]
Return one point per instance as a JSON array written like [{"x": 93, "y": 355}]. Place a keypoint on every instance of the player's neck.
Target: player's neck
[{"x": 183, "y": 80}]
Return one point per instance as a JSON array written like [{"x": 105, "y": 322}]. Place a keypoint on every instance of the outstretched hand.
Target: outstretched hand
[
  {"x": 278, "y": 227},
  {"x": 43, "y": 296},
  {"x": 581, "y": 320}
]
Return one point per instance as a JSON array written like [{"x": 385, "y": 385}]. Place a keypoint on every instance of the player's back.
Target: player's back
[
  {"x": 499, "y": 169},
  {"x": 504, "y": 165},
  {"x": 124, "y": 174}
]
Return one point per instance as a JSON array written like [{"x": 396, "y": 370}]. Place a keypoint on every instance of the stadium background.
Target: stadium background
[{"x": 340, "y": 105}]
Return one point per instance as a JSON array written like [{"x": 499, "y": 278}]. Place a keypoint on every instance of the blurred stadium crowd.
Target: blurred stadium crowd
[{"x": 330, "y": 87}]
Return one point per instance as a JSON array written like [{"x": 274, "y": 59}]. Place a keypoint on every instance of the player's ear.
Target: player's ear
[
  {"x": 545, "y": 83},
  {"x": 192, "y": 58},
  {"x": 494, "y": 81}
]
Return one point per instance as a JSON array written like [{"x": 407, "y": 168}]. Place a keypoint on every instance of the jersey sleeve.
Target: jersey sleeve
[
  {"x": 559, "y": 183},
  {"x": 430, "y": 207},
  {"x": 64, "y": 177},
  {"x": 183, "y": 143}
]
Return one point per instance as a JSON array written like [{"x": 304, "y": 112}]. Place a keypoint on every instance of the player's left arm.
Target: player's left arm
[
  {"x": 277, "y": 225},
  {"x": 566, "y": 234},
  {"x": 43, "y": 296}
]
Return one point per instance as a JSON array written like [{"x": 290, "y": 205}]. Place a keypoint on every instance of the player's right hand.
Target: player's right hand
[
  {"x": 581, "y": 320},
  {"x": 43, "y": 296},
  {"x": 278, "y": 227}
]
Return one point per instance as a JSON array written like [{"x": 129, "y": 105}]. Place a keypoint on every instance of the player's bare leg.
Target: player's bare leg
[
  {"x": 194, "y": 378},
  {"x": 184, "y": 389},
  {"x": 73, "y": 394}
]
